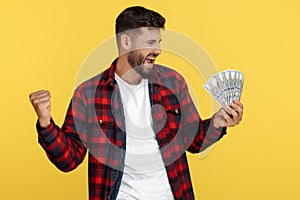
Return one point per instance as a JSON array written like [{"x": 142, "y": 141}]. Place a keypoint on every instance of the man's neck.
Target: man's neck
[{"x": 125, "y": 71}]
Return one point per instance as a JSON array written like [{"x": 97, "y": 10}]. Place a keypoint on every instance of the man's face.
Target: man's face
[{"x": 145, "y": 50}]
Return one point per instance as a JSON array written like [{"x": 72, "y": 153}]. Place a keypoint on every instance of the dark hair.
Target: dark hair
[{"x": 137, "y": 17}]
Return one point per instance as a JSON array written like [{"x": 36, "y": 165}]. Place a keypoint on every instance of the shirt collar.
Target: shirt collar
[{"x": 108, "y": 76}]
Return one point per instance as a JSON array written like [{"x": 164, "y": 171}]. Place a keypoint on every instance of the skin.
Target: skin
[
  {"x": 146, "y": 43},
  {"x": 40, "y": 101}
]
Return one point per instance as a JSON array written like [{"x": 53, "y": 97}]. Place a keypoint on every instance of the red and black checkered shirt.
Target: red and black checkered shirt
[{"x": 95, "y": 122}]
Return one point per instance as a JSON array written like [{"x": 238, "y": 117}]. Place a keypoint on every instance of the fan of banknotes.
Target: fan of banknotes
[{"x": 225, "y": 86}]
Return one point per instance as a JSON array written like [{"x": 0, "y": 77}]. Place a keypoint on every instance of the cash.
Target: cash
[{"x": 226, "y": 86}]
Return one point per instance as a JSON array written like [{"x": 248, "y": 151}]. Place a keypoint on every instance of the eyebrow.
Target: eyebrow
[{"x": 154, "y": 40}]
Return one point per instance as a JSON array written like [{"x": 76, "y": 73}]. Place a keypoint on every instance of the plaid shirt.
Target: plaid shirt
[{"x": 95, "y": 122}]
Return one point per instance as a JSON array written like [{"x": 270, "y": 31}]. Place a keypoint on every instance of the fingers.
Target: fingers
[
  {"x": 229, "y": 116},
  {"x": 227, "y": 120},
  {"x": 234, "y": 113},
  {"x": 39, "y": 95},
  {"x": 239, "y": 104},
  {"x": 37, "y": 92},
  {"x": 230, "y": 111},
  {"x": 42, "y": 105},
  {"x": 238, "y": 108},
  {"x": 40, "y": 98}
]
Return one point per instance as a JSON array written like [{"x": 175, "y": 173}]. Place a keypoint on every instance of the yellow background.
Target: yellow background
[{"x": 43, "y": 44}]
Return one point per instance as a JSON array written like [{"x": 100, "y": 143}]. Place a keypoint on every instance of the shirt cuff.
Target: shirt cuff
[
  {"x": 46, "y": 134},
  {"x": 214, "y": 133}
]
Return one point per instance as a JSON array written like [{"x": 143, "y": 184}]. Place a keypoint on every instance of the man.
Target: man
[{"x": 136, "y": 119}]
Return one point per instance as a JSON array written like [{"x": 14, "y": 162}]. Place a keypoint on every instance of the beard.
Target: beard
[{"x": 137, "y": 61}]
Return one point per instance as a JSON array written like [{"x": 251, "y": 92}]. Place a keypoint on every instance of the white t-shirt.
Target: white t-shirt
[{"x": 144, "y": 176}]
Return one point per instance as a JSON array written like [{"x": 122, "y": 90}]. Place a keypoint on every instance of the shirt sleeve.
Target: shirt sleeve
[
  {"x": 64, "y": 146},
  {"x": 206, "y": 134}
]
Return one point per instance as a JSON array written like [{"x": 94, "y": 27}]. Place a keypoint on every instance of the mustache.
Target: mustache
[{"x": 152, "y": 55}]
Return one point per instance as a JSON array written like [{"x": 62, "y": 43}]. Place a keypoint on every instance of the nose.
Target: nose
[{"x": 157, "y": 50}]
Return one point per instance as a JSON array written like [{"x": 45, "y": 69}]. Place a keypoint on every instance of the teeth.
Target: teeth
[{"x": 150, "y": 60}]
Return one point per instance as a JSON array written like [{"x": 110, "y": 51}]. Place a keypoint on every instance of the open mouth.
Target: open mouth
[{"x": 149, "y": 60}]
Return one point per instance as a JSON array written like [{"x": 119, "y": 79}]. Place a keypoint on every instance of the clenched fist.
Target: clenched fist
[{"x": 42, "y": 105}]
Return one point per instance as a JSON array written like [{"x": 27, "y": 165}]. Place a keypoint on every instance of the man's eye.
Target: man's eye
[{"x": 151, "y": 42}]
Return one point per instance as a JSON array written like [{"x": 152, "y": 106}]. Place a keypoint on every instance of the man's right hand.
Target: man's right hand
[{"x": 42, "y": 106}]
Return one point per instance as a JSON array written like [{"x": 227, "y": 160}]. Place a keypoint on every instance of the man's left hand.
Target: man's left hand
[{"x": 229, "y": 116}]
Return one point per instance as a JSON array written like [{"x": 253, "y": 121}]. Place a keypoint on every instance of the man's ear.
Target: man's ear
[{"x": 126, "y": 42}]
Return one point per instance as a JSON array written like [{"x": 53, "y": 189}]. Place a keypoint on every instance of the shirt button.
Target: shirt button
[
  {"x": 176, "y": 111},
  {"x": 108, "y": 197},
  {"x": 100, "y": 121}
]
